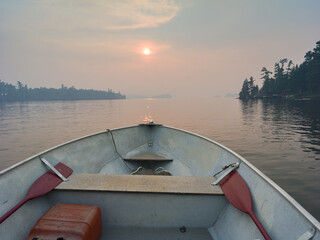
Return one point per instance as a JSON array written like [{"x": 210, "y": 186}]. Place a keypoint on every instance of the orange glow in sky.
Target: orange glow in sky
[
  {"x": 146, "y": 51},
  {"x": 150, "y": 48}
]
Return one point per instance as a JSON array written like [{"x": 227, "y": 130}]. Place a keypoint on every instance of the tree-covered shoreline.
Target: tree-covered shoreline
[
  {"x": 287, "y": 80},
  {"x": 21, "y": 92}
]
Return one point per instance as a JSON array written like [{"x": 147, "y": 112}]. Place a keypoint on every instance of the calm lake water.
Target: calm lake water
[{"x": 281, "y": 138}]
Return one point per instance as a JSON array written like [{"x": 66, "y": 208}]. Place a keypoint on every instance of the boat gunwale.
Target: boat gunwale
[
  {"x": 290, "y": 199},
  {"x": 286, "y": 195},
  {"x": 58, "y": 146}
]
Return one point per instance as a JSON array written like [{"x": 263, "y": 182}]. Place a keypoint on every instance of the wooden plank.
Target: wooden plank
[
  {"x": 148, "y": 157},
  {"x": 141, "y": 183}
]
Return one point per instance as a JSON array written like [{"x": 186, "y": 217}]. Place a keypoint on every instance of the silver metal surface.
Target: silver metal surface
[
  {"x": 54, "y": 169},
  {"x": 193, "y": 155},
  {"x": 276, "y": 187},
  {"x": 307, "y": 235},
  {"x": 226, "y": 171}
]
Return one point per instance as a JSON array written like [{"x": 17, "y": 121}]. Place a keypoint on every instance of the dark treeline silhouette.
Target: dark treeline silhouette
[
  {"x": 21, "y": 92},
  {"x": 287, "y": 79}
]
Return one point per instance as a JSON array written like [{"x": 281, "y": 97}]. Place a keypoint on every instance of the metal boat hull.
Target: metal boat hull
[{"x": 153, "y": 213}]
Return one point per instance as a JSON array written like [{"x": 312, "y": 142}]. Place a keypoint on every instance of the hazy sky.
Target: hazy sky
[{"x": 197, "y": 48}]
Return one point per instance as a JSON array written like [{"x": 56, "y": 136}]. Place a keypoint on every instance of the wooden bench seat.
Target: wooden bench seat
[{"x": 141, "y": 183}]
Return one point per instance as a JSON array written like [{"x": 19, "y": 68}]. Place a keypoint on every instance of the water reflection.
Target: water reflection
[
  {"x": 285, "y": 120},
  {"x": 284, "y": 141},
  {"x": 147, "y": 117}
]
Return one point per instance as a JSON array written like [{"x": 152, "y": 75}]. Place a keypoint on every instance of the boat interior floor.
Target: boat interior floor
[{"x": 121, "y": 233}]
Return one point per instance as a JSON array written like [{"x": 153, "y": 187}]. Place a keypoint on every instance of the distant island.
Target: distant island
[
  {"x": 137, "y": 96},
  {"x": 231, "y": 95},
  {"x": 21, "y": 92},
  {"x": 163, "y": 96},
  {"x": 288, "y": 80}
]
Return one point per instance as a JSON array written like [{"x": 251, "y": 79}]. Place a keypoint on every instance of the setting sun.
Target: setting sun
[{"x": 146, "y": 51}]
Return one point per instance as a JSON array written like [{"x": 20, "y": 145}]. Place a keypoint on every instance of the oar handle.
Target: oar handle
[
  {"x": 259, "y": 225},
  {"x": 15, "y": 208}
]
